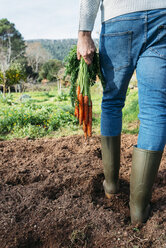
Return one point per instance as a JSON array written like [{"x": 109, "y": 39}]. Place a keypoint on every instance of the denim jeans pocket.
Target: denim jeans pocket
[
  {"x": 116, "y": 49},
  {"x": 160, "y": 45}
]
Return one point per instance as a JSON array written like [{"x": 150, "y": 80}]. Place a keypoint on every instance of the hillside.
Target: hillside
[{"x": 58, "y": 48}]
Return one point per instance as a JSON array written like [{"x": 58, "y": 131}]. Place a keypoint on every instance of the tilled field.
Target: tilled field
[{"x": 51, "y": 195}]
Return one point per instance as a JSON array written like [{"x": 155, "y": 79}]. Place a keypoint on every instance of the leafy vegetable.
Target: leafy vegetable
[
  {"x": 82, "y": 78},
  {"x": 72, "y": 68}
]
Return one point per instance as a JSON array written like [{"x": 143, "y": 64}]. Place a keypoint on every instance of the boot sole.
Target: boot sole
[{"x": 109, "y": 196}]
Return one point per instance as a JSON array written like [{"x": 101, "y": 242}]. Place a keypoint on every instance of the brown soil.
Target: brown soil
[{"x": 51, "y": 195}]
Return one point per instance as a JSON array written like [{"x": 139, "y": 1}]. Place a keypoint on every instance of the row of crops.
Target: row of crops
[{"x": 51, "y": 114}]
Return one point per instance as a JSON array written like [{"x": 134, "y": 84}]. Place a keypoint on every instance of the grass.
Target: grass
[
  {"x": 130, "y": 113},
  {"x": 50, "y": 114}
]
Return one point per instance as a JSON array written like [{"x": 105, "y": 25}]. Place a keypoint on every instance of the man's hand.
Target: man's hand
[{"x": 85, "y": 46}]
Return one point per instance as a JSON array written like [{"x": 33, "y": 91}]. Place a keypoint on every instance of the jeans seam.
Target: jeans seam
[
  {"x": 157, "y": 14},
  {"x": 155, "y": 51},
  {"x": 134, "y": 18},
  {"x": 117, "y": 34},
  {"x": 124, "y": 19}
]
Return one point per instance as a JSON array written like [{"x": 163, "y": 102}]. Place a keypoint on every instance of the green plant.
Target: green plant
[
  {"x": 82, "y": 78},
  {"x": 72, "y": 67},
  {"x": 13, "y": 75},
  {"x": 130, "y": 113},
  {"x": 55, "y": 118},
  {"x": 62, "y": 97},
  {"x": 135, "y": 229},
  {"x": 7, "y": 99},
  {"x": 21, "y": 119},
  {"x": 77, "y": 237},
  {"x": 49, "y": 70}
]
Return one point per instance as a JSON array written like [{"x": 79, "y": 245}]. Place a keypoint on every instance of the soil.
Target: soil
[{"x": 51, "y": 196}]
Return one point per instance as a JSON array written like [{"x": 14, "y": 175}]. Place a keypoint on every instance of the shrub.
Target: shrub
[{"x": 29, "y": 119}]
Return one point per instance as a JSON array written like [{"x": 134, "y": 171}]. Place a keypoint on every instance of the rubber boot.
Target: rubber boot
[
  {"x": 145, "y": 166},
  {"x": 111, "y": 162}
]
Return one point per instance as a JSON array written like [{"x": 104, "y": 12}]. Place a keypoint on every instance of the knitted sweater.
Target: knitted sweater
[{"x": 112, "y": 8}]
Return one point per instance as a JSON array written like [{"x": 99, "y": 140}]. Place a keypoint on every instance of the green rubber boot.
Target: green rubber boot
[
  {"x": 111, "y": 162},
  {"x": 145, "y": 166}
]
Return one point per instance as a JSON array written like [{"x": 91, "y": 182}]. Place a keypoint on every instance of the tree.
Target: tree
[
  {"x": 50, "y": 70},
  {"x": 12, "y": 50},
  {"x": 36, "y": 55},
  {"x": 13, "y": 75},
  {"x": 12, "y": 45}
]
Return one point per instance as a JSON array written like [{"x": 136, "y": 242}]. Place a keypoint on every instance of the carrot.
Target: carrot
[
  {"x": 85, "y": 129},
  {"x": 78, "y": 91},
  {"x": 86, "y": 102},
  {"x": 76, "y": 111},
  {"x": 89, "y": 126},
  {"x": 81, "y": 109},
  {"x": 83, "y": 76}
]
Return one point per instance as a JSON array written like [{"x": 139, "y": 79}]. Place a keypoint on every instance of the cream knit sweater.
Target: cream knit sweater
[{"x": 112, "y": 8}]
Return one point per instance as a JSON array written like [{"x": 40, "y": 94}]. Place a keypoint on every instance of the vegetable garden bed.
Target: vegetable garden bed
[{"x": 51, "y": 195}]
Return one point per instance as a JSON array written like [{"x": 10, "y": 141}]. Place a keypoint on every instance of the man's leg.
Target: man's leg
[
  {"x": 115, "y": 55},
  {"x": 151, "y": 74}
]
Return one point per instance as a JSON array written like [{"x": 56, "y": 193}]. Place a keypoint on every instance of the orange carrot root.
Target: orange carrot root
[
  {"x": 81, "y": 109},
  {"x": 86, "y": 116},
  {"x": 89, "y": 126},
  {"x": 85, "y": 129},
  {"x": 75, "y": 111}
]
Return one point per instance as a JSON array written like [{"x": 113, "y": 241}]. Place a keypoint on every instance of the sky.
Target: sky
[{"x": 45, "y": 19}]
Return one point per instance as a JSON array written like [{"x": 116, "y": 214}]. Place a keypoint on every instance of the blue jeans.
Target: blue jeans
[{"x": 128, "y": 42}]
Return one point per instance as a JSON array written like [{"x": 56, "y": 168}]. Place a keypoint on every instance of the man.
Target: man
[{"x": 133, "y": 36}]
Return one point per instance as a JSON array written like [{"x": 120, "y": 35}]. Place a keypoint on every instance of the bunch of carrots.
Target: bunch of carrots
[
  {"x": 82, "y": 78},
  {"x": 83, "y": 103}
]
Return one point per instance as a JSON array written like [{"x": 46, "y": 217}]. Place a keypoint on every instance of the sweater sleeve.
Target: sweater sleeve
[{"x": 88, "y": 13}]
